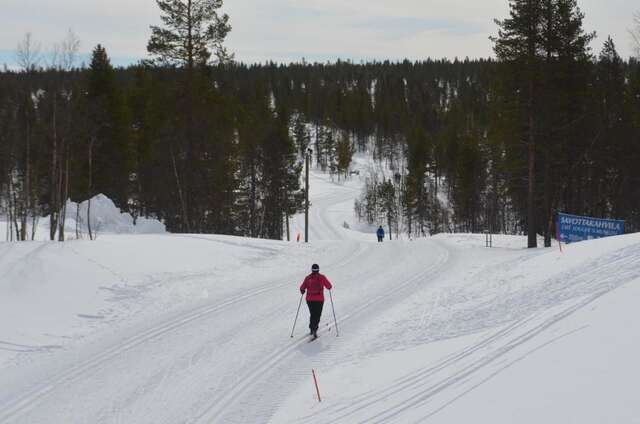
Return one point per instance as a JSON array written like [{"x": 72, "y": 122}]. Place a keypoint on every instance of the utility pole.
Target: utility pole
[{"x": 306, "y": 195}]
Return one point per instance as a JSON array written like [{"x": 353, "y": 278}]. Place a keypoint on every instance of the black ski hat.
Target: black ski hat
[{"x": 315, "y": 268}]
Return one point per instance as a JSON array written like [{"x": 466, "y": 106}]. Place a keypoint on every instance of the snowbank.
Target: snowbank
[{"x": 106, "y": 218}]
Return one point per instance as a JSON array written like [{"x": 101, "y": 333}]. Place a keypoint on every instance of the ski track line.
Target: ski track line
[
  {"x": 499, "y": 370},
  {"x": 421, "y": 398},
  {"x": 325, "y": 227},
  {"x": 248, "y": 379},
  {"x": 321, "y": 214},
  {"x": 26, "y": 256},
  {"x": 258, "y": 405},
  {"x": 228, "y": 242},
  {"x": 431, "y": 273},
  {"x": 264, "y": 367},
  {"x": 367, "y": 399},
  {"x": 324, "y": 219},
  {"x": 411, "y": 383},
  {"x": 28, "y": 400},
  {"x": 478, "y": 365},
  {"x": 109, "y": 270}
]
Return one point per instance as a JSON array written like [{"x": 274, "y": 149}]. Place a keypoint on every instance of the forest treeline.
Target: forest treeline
[{"x": 468, "y": 145}]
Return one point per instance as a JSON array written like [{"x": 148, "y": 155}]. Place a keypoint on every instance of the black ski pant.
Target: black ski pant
[
  {"x": 315, "y": 310},
  {"x": 380, "y": 238}
]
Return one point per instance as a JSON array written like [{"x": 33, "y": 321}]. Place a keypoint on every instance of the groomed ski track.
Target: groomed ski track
[{"x": 230, "y": 359}]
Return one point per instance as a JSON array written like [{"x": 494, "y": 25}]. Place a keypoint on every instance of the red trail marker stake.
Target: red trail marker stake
[{"x": 315, "y": 380}]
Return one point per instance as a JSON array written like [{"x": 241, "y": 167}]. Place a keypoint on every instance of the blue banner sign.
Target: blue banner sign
[{"x": 574, "y": 228}]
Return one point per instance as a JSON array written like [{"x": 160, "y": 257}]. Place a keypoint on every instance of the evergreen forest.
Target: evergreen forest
[{"x": 211, "y": 145}]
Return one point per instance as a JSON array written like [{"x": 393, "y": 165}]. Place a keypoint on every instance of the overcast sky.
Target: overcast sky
[{"x": 288, "y": 30}]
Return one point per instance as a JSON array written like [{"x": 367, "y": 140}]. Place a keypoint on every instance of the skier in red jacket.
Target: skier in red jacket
[{"x": 314, "y": 284}]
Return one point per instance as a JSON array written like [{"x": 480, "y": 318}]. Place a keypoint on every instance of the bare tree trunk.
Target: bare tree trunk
[
  {"x": 54, "y": 209},
  {"x": 26, "y": 195},
  {"x": 90, "y": 188},
  {"x": 9, "y": 217},
  {"x": 65, "y": 195},
  {"x": 34, "y": 224},
  {"x": 15, "y": 212},
  {"x": 8, "y": 212},
  {"x": 532, "y": 236},
  {"x": 261, "y": 222},
  {"x": 547, "y": 201},
  {"x": 183, "y": 205},
  {"x": 7, "y": 227},
  {"x": 252, "y": 201},
  {"x": 77, "y": 221},
  {"x": 89, "y": 219},
  {"x": 286, "y": 218}
]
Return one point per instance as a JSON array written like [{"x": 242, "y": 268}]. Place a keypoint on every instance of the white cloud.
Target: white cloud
[{"x": 287, "y": 30}]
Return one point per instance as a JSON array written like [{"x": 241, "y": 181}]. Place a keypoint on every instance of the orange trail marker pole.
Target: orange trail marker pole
[{"x": 315, "y": 380}]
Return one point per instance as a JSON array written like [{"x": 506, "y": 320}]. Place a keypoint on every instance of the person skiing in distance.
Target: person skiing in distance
[
  {"x": 314, "y": 285},
  {"x": 380, "y": 234}
]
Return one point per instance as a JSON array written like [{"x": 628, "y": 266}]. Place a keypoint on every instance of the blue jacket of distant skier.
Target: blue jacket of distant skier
[{"x": 380, "y": 232}]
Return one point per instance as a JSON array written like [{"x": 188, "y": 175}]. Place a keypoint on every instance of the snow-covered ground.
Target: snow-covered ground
[{"x": 168, "y": 328}]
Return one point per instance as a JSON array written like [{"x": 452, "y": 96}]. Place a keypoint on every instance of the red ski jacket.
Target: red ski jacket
[{"x": 314, "y": 285}]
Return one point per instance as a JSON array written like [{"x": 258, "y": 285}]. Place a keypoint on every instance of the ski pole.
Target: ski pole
[
  {"x": 295, "y": 320},
  {"x": 334, "y": 313}
]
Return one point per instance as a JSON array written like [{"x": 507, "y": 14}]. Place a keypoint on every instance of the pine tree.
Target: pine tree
[
  {"x": 543, "y": 51},
  {"x": 109, "y": 154},
  {"x": 564, "y": 98},
  {"x": 193, "y": 32},
  {"x": 280, "y": 176},
  {"x": 518, "y": 45},
  {"x": 416, "y": 199},
  {"x": 301, "y": 135},
  {"x": 388, "y": 204},
  {"x": 612, "y": 144},
  {"x": 344, "y": 155}
]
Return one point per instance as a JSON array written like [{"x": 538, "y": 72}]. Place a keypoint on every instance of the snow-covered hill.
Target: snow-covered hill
[{"x": 168, "y": 328}]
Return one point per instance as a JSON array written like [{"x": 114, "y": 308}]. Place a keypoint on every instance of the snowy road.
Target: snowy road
[{"x": 195, "y": 329}]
